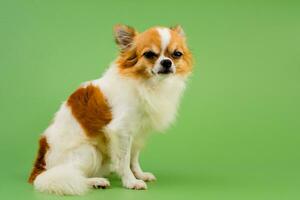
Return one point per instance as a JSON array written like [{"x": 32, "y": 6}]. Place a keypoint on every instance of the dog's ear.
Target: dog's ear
[
  {"x": 178, "y": 29},
  {"x": 124, "y": 36}
]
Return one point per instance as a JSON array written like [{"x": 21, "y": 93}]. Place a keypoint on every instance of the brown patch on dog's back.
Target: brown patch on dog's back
[
  {"x": 90, "y": 109},
  {"x": 40, "y": 163}
]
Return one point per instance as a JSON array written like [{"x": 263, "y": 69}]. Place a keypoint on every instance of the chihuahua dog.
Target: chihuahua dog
[{"x": 102, "y": 127}]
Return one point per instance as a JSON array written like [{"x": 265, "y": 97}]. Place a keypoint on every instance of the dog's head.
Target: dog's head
[{"x": 159, "y": 51}]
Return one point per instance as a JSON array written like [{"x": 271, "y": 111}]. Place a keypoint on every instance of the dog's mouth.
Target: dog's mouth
[{"x": 164, "y": 71}]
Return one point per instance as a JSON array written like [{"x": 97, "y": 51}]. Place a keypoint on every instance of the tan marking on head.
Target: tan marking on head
[
  {"x": 40, "y": 163},
  {"x": 148, "y": 40},
  {"x": 132, "y": 63},
  {"x": 178, "y": 42}
]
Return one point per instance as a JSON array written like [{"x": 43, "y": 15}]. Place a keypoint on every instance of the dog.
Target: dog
[{"x": 102, "y": 126}]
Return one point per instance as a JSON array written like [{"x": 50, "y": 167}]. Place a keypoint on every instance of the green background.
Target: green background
[{"x": 237, "y": 133}]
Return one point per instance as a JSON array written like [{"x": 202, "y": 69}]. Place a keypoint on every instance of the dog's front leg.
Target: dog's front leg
[
  {"x": 128, "y": 179},
  {"x": 136, "y": 168}
]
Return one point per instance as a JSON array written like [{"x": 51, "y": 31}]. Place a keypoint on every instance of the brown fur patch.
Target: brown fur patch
[
  {"x": 39, "y": 164},
  {"x": 183, "y": 64},
  {"x": 149, "y": 39},
  {"x": 90, "y": 109},
  {"x": 132, "y": 62}
]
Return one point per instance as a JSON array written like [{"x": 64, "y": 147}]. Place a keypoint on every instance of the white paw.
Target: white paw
[
  {"x": 145, "y": 176},
  {"x": 135, "y": 184},
  {"x": 98, "y": 183}
]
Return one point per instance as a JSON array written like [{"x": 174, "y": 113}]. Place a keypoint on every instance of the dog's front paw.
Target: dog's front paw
[
  {"x": 98, "y": 183},
  {"x": 135, "y": 184},
  {"x": 145, "y": 176}
]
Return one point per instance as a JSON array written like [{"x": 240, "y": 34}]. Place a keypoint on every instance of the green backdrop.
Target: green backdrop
[{"x": 237, "y": 133}]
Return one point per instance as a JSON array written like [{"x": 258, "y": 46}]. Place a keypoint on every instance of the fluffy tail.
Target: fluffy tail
[{"x": 61, "y": 180}]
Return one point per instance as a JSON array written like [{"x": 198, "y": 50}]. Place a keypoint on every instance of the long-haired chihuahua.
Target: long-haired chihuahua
[{"x": 102, "y": 127}]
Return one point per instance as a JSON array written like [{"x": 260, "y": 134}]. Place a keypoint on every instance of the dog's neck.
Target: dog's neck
[{"x": 157, "y": 98}]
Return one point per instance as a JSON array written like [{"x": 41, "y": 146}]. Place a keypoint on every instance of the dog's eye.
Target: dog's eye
[
  {"x": 176, "y": 54},
  {"x": 150, "y": 54}
]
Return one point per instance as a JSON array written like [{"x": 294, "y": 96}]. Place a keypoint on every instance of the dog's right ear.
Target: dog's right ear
[{"x": 124, "y": 36}]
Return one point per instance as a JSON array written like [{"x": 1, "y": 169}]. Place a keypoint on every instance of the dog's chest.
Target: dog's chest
[
  {"x": 141, "y": 107},
  {"x": 157, "y": 107}
]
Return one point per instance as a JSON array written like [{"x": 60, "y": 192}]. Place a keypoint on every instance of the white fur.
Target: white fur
[
  {"x": 62, "y": 179},
  {"x": 165, "y": 38},
  {"x": 138, "y": 107}
]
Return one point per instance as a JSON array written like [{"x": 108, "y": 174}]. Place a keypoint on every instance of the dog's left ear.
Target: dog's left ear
[
  {"x": 124, "y": 36},
  {"x": 178, "y": 29}
]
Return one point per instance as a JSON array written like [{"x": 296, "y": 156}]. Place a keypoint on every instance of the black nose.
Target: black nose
[{"x": 166, "y": 63}]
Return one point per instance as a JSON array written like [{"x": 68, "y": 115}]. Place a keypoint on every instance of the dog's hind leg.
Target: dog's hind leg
[
  {"x": 62, "y": 180},
  {"x": 73, "y": 176}
]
